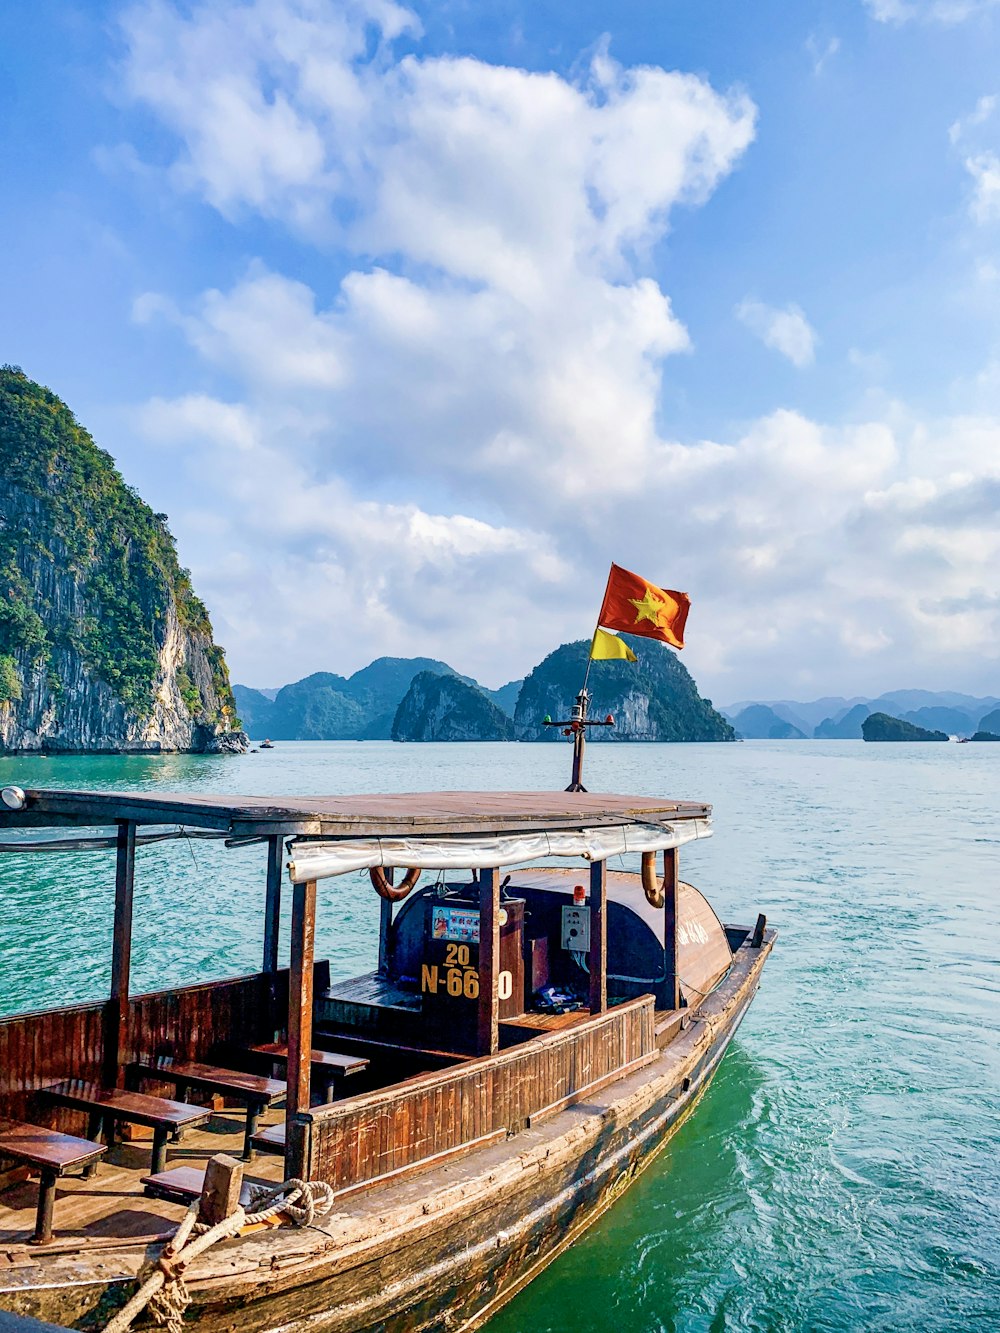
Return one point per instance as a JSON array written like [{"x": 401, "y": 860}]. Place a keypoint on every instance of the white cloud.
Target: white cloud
[
  {"x": 502, "y": 323},
  {"x": 785, "y": 330},
  {"x": 821, "y": 52},
  {"x": 984, "y": 168},
  {"x": 438, "y": 445},
  {"x": 947, "y": 12},
  {"x": 975, "y": 143}
]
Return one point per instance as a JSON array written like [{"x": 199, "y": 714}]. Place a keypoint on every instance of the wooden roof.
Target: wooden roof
[{"x": 332, "y": 816}]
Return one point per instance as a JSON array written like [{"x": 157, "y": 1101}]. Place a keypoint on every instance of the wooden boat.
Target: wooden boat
[{"x": 529, "y": 1039}]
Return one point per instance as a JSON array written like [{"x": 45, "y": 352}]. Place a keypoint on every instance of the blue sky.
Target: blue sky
[{"x": 413, "y": 317}]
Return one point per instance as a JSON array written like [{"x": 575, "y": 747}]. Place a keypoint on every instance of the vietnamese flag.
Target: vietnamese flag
[{"x": 636, "y": 606}]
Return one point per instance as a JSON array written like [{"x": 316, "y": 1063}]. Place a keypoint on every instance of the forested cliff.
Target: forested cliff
[
  {"x": 652, "y": 699},
  {"x": 103, "y": 644}
]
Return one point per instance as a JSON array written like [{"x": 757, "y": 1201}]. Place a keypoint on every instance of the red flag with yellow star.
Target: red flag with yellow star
[{"x": 633, "y": 604}]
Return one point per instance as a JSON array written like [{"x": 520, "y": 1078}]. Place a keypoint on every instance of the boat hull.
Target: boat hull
[{"x": 445, "y": 1249}]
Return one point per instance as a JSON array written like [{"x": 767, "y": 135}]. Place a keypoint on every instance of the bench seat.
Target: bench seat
[
  {"x": 184, "y": 1184},
  {"x": 114, "y": 1105},
  {"x": 50, "y": 1153},
  {"x": 253, "y": 1090},
  {"x": 271, "y": 1139}
]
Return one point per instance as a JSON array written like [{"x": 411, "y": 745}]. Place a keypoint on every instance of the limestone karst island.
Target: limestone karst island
[{"x": 104, "y": 645}]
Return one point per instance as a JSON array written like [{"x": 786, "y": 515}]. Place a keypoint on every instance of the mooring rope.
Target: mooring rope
[{"x": 164, "y": 1290}]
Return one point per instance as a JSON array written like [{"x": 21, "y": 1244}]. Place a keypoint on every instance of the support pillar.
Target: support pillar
[
  {"x": 272, "y": 903},
  {"x": 272, "y": 927},
  {"x": 598, "y": 959},
  {"x": 671, "y": 984},
  {"x": 488, "y": 1035},
  {"x": 300, "y": 1013},
  {"x": 116, "y": 1011},
  {"x": 384, "y": 926}
]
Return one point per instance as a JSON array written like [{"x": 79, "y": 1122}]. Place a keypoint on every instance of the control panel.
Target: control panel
[{"x": 576, "y": 928}]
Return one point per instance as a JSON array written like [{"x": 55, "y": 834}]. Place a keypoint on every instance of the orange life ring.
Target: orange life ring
[
  {"x": 390, "y": 892},
  {"x": 655, "y": 891}
]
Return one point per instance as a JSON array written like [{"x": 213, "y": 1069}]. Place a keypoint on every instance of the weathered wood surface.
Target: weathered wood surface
[
  {"x": 389, "y": 1261},
  {"x": 373, "y": 1135},
  {"x": 134, "y": 1108},
  {"x": 222, "y": 1185},
  {"x": 212, "y": 1078},
  {"x": 46, "y": 1147},
  {"x": 92, "y": 1211},
  {"x": 116, "y": 1013},
  {"x": 385, "y": 815},
  {"x": 488, "y": 1017},
  {"x": 47, "y": 1046},
  {"x": 300, "y": 1019},
  {"x": 598, "y": 961}
]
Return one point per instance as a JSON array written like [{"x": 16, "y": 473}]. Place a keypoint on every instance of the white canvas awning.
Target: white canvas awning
[{"x": 324, "y": 858}]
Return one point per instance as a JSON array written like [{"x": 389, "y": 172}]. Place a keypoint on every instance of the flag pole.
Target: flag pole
[
  {"x": 593, "y": 637},
  {"x": 578, "y": 722}
]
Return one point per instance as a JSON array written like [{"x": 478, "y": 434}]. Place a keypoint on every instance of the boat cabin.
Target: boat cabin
[{"x": 516, "y": 974}]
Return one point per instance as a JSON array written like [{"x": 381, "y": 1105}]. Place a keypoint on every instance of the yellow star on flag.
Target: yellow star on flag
[{"x": 651, "y": 607}]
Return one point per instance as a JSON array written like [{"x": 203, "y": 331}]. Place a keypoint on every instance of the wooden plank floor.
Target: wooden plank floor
[{"x": 112, "y": 1204}]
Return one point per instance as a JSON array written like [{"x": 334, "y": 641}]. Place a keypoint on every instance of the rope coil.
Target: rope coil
[{"x": 163, "y": 1289}]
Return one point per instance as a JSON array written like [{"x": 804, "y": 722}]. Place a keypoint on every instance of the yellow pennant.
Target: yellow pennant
[{"x": 607, "y": 646}]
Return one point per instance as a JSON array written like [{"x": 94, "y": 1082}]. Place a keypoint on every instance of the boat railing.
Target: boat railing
[
  {"x": 379, "y": 1135},
  {"x": 189, "y": 1023}
]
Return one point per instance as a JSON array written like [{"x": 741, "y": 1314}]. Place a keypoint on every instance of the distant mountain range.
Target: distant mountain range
[
  {"x": 834, "y": 718},
  {"x": 421, "y": 699},
  {"x": 362, "y": 707}
]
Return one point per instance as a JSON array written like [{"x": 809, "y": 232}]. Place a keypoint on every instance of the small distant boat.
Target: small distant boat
[{"x": 266, "y": 745}]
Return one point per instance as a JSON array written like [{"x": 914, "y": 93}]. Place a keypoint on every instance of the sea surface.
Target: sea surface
[{"x": 843, "y": 1170}]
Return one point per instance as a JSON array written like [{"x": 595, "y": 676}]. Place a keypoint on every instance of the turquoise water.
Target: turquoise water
[{"x": 843, "y": 1170}]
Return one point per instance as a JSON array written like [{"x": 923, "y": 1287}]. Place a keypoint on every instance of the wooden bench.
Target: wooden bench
[
  {"x": 53, "y": 1154},
  {"x": 330, "y": 1067},
  {"x": 254, "y": 1091},
  {"x": 184, "y": 1184},
  {"x": 271, "y": 1139},
  {"x": 116, "y": 1105}
]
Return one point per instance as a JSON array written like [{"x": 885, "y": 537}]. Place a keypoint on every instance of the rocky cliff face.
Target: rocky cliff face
[
  {"x": 103, "y": 644},
  {"x": 653, "y": 699},
  {"x": 446, "y": 708}
]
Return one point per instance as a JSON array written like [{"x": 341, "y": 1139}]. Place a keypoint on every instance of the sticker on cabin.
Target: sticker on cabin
[{"x": 460, "y": 924}]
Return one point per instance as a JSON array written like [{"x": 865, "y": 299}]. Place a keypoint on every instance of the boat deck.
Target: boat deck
[{"x": 111, "y": 1204}]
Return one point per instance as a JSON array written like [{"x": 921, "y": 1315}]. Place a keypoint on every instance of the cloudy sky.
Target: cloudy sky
[{"x": 413, "y": 317}]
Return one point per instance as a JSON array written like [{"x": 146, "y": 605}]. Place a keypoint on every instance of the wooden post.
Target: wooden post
[
  {"x": 272, "y": 903},
  {"x": 220, "y": 1193},
  {"x": 384, "y": 926},
  {"x": 115, "y": 1054},
  {"x": 598, "y": 959},
  {"x": 488, "y": 1037},
  {"x": 300, "y": 1010},
  {"x": 272, "y": 927},
  {"x": 671, "y": 984}
]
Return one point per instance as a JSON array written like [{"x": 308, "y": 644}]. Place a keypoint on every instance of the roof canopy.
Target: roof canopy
[
  {"x": 321, "y": 858},
  {"x": 402, "y": 815}
]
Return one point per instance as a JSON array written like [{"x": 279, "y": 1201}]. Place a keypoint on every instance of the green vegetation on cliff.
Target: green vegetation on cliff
[
  {"x": 882, "y": 727},
  {"x": 89, "y": 576},
  {"x": 446, "y": 708},
  {"x": 653, "y": 699}
]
